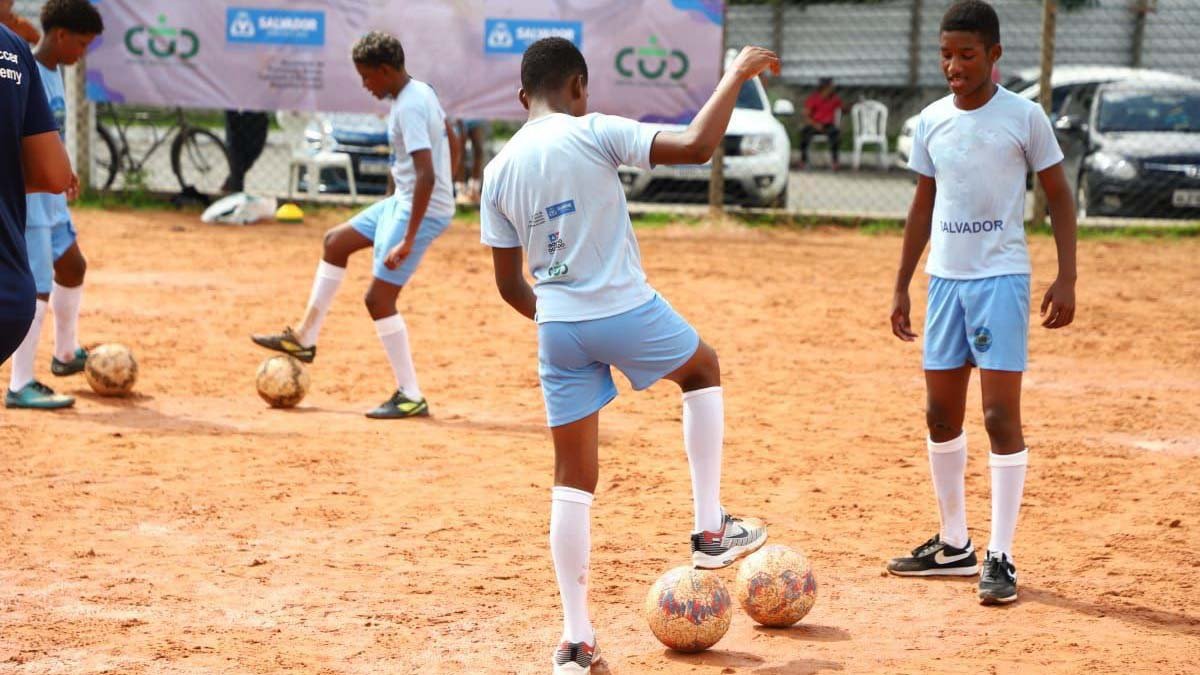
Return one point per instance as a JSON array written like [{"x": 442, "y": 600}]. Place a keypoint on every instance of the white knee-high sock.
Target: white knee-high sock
[
  {"x": 703, "y": 438},
  {"x": 23, "y": 358},
  {"x": 948, "y": 464},
  {"x": 1008, "y": 486},
  {"x": 325, "y": 285},
  {"x": 571, "y": 546},
  {"x": 393, "y": 333},
  {"x": 64, "y": 303}
]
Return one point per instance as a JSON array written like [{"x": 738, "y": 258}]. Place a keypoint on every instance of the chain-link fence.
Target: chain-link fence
[{"x": 829, "y": 137}]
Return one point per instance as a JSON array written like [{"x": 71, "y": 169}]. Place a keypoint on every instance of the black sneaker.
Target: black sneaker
[
  {"x": 575, "y": 658},
  {"x": 998, "y": 583},
  {"x": 936, "y": 558},
  {"x": 287, "y": 343},
  {"x": 400, "y": 406}
]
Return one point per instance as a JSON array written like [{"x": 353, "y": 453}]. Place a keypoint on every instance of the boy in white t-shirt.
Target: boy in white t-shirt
[
  {"x": 55, "y": 257},
  {"x": 400, "y": 227},
  {"x": 553, "y": 195},
  {"x": 971, "y": 152}
]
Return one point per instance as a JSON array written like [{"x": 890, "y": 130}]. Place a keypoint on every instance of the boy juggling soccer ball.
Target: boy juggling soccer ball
[
  {"x": 971, "y": 151},
  {"x": 553, "y": 195},
  {"x": 400, "y": 227},
  {"x": 54, "y": 256}
]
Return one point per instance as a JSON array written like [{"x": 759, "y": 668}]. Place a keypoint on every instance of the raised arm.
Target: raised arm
[{"x": 696, "y": 144}]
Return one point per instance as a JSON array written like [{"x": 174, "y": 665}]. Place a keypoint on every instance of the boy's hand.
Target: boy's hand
[
  {"x": 398, "y": 254},
  {"x": 754, "y": 60},
  {"x": 901, "y": 325},
  {"x": 1060, "y": 301},
  {"x": 73, "y": 189}
]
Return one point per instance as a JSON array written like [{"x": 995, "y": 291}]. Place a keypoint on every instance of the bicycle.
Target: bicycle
[{"x": 199, "y": 159}]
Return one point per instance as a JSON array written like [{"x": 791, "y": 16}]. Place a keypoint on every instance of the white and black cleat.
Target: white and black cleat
[
  {"x": 998, "y": 583},
  {"x": 736, "y": 538},
  {"x": 936, "y": 558},
  {"x": 575, "y": 658}
]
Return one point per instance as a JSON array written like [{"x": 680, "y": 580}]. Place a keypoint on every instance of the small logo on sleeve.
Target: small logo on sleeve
[{"x": 560, "y": 209}]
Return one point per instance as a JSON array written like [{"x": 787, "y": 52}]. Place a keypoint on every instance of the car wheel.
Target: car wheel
[
  {"x": 780, "y": 201},
  {"x": 1082, "y": 198}
]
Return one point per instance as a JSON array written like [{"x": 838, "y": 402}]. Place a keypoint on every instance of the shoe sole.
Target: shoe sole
[
  {"x": 575, "y": 669},
  {"x": 703, "y": 561},
  {"x": 64, "y": 373},
  {"x": 307, "y": 358},
  {"x": 423, "y": 413},
  {"x": 17, "y": 406},
  {"x": 939, "y": 572},
  {"x": 992, "y": 600}
]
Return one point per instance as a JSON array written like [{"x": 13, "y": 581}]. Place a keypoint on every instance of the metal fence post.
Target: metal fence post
[
  {"x": 1140, "y": 9},
  {"x": 716, "y": 178},
  {"x": 1049, "y": 17},
  {"x": 83, "y": 126},
  {"x": 914, "y": 46}
]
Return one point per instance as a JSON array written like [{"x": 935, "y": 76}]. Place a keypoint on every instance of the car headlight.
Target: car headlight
[
  {"x": 757, "y": 144},
  {"x": 1114, "y": 166}
]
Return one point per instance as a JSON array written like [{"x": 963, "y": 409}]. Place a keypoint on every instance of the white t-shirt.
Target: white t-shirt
[
  {"x": 979, "y": 159},
  {"x": 417, "y": 122},
  {"x": 554, "y": 191}
]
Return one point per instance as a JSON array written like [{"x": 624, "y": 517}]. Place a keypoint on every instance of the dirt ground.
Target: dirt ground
[{"x": 190, "y": 529}]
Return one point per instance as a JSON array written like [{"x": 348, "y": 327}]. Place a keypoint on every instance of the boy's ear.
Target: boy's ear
[
  {"x": 523, "y": 98},
  {"x": 996, "y": 52},
  {"x": 578, "y": 86}
]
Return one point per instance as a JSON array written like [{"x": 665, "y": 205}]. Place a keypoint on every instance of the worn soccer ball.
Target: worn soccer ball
[
  {"x": 688, "y": 610},
  {"x": 282, "y": 381},
  {"x": 111, "y": 370},
  {"x": 775, "y": 585}
]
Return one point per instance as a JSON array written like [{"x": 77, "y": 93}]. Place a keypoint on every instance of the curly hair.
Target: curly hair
[
  {"x": 973, "y": 16},
  {"x": 377, "y": 49},
  {"x": 76, "y": 16},
  {"x": 549, "y": 63}
]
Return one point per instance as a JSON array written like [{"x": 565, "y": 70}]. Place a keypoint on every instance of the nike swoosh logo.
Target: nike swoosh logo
[{"x": 942, "y": 559}]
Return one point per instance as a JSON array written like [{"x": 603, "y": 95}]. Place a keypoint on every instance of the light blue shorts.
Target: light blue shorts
[
  {"x": 984, "y": 322},
  {"x": 575, "y": 358},
  {"x": 386, "y": 223},
  {"x": 45, "y": 246}
]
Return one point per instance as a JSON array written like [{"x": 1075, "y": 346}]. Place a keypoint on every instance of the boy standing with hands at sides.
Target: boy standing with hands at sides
[
  {"x": 55, "y": 258},
  {"x": 553, "y": 195},
  {"x": 971, "y": 152}
]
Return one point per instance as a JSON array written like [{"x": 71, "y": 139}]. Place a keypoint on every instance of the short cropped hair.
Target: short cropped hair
[
  {"x": 76, "y": 16},
  {"x": 377, "y": 49},
  {"x": 973, "y": 16},
  {"x": 549, "y": 63}
]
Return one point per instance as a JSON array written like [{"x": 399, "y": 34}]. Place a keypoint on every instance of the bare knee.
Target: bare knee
[
  {"x": 336, "y": 250},
  {"x": 380, "y": 303},
  {"x": 70, "y": 270},
  {"x": 943, "y": 423},
  {"x": 1003, "y": 426},
  {"x": 702, "y": 371}
]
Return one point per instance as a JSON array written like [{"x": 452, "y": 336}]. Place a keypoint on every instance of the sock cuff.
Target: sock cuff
[
  {"x": 562, "y": 493},
  {"x": 952, "y": 445},
  {"x": 58, "y": 289},
  {"x": 390, "y": 325},
  {"x": 696, "y": 393},
  {"x": 330, "y": 271},
  {"x": 1015, "y": 459}
]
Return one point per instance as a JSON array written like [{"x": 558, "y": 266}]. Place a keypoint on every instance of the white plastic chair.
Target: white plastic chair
[
  {"x": 312, "y": 160},
  {"x": 869, "y": 119}
]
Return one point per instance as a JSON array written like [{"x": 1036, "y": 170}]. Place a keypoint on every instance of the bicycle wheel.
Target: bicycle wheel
[
  {"x": 106, "y": 160},
  {"x": 199, "y": 160}
]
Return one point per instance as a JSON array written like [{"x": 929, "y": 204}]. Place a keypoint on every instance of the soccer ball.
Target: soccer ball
[
  {"x": 282, "y": 381},
  {"x": 111, "y": 370},
  {"x": 775, "y": 586},
  {"x": 688, "y": 610}
]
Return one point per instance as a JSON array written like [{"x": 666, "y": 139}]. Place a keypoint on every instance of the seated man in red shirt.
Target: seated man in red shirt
[{"x": 820, "y": 117}]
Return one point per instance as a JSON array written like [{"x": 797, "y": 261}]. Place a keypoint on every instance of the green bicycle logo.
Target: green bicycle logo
[
  {"x": 652, "y": 61},
  {"x": 556, "y": 270},
  {"x": 162, "y": 41}
]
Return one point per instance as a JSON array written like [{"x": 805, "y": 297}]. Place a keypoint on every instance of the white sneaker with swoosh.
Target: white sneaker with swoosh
[{"x": 936, "y": 558}]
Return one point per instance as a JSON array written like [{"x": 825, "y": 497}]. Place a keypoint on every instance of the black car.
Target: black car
[{"x": 1136, "y": 152}]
